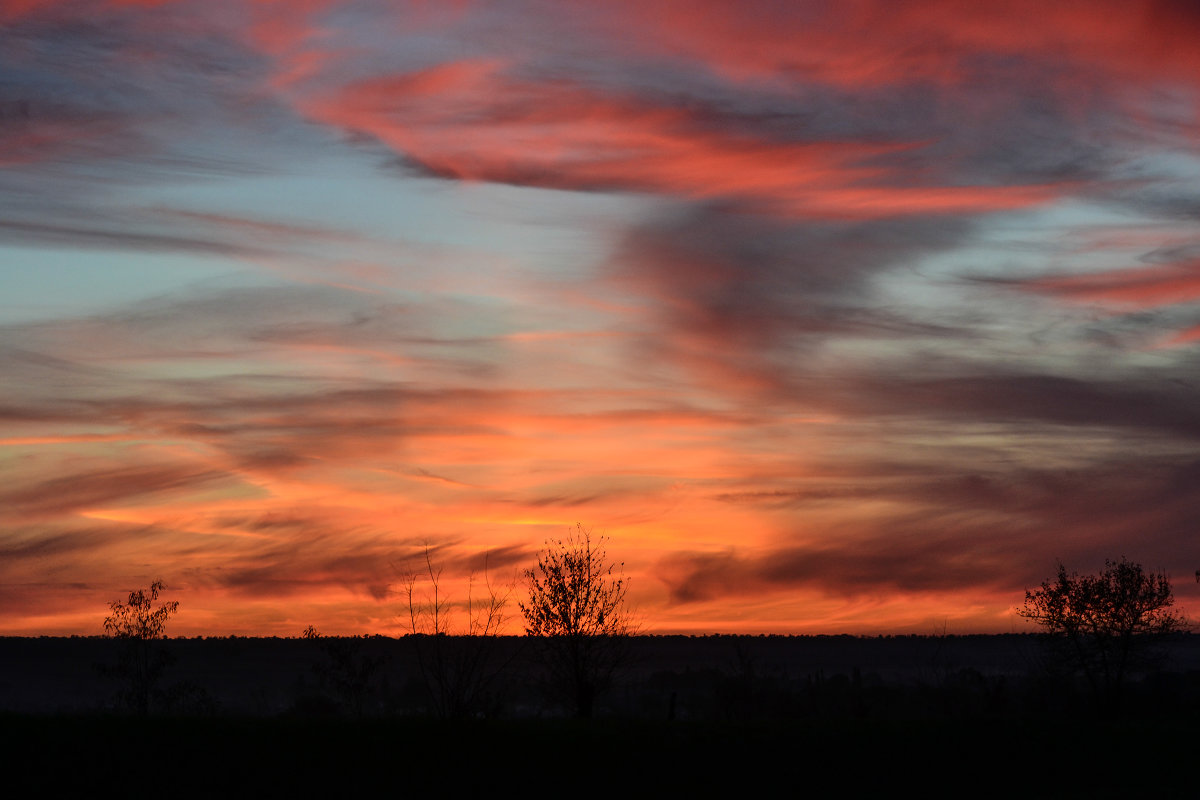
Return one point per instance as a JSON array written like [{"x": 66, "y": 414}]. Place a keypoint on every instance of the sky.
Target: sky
[{"x": 831, "y": 317}]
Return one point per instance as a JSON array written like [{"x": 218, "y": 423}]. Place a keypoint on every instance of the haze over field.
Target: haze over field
[{"x": 835, "y": 316}]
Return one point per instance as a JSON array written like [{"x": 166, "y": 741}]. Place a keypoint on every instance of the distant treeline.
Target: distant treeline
[{"x": 702, "y": 678}]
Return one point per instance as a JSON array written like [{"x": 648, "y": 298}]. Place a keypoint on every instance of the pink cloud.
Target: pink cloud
[
  {"x": 872, "y": 43},
  {"x": 16, "y": 9},
  {"x": 468, "y": 120},
  {"x": 1135, "y": 288},
  {"x": 1183, "y": 337}
]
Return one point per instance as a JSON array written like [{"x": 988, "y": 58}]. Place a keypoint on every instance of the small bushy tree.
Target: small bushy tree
[
  {"x": 1104, "y": 626},
  {"x": 576, "y": 612},
  {"x": 139, "y": 623}
]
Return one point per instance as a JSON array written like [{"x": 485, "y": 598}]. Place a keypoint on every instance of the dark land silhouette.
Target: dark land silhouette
[
  {"x": 989, "y": 714},
  {"x": 688, "y": 713}
]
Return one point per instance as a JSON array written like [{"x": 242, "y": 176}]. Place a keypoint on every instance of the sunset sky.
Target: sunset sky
[{"x": 834, "y": 317}]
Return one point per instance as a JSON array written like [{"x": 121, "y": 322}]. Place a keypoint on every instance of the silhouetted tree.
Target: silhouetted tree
[
  {"x": 576, "y": 612},
  {"x": 1104, "y": 625},
  {"x": 458, "y": 651},
  {"x": 139, "y": 623},
  {"x": 346, "y": 673}
]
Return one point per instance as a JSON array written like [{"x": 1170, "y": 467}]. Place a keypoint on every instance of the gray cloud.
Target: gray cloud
[
  {"x": 753, "y": 283},
  {"x": 1152, "y": 404},
  {"x": 55, "y": 496},
  {"x": 966, "y": 530}
]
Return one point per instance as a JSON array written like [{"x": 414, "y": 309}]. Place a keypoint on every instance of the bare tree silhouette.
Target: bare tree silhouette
[{"x": 461, "y": 663}]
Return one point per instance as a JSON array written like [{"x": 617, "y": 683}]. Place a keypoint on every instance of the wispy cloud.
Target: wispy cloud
[{"x": 961, "y": 532}]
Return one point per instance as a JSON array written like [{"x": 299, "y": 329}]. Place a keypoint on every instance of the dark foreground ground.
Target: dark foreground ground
[
  {"x": 969, "y": 716},
  {"x": 170, "y": 757}
]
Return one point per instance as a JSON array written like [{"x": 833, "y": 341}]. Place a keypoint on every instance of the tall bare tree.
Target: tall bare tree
[{"x": 459, "y": 653}]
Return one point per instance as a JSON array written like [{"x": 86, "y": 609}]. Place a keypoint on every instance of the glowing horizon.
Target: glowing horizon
[{"x": 833, "y": 317}]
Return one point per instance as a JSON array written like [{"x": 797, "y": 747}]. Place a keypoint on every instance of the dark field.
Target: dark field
[
  {"x": 953, "y": 716},
  {"x": 608, "y": 757}
]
